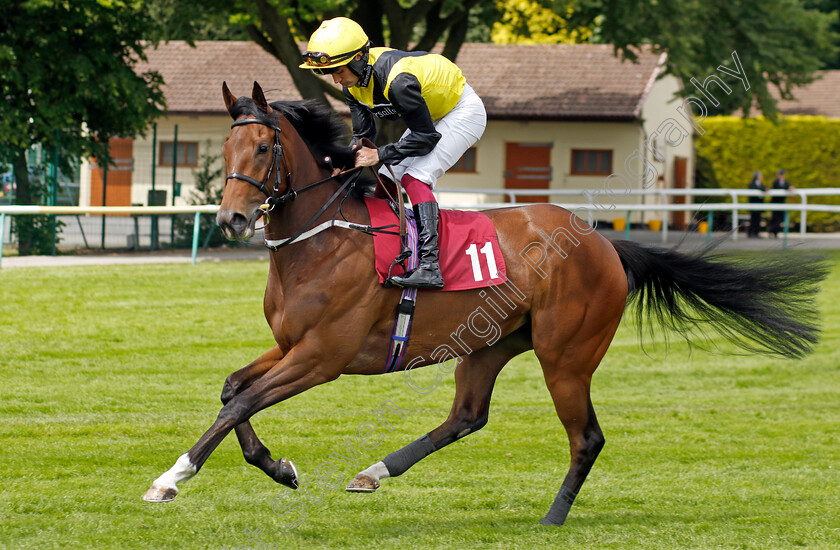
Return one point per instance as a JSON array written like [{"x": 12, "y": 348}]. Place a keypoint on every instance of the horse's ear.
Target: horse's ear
[
  {"x": 259, "y": 98},
  {"x": 229, "y": 98}
]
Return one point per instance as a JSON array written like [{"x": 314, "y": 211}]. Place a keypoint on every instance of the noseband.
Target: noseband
[{"x": 272, "y": 198}]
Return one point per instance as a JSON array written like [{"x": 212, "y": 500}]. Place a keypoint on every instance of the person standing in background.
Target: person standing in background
[
  {"x": 779, "y": 184},
  {"x": 756, "y": 184}
]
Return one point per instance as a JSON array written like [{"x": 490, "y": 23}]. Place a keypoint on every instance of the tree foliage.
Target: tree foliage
[
  {"x": 67, "y": 81},
  {"x": 279, "y": 26},
  {"x": 829, "y": 7},
  {"x": 535, "y": 22},
  {"x": 780, "y": 43},
  {"x": 39, "y": 227}
]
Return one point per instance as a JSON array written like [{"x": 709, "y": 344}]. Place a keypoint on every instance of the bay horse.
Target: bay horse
[{"x": 567, "y": 290}]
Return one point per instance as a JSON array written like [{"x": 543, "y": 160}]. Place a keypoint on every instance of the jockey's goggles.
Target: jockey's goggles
[{"x": 320, "y": 62}]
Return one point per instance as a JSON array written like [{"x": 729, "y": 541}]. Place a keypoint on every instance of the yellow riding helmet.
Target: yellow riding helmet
[{"x": 334, "y": 44}]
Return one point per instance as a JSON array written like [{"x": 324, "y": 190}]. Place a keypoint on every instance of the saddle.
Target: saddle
[{"x": 470, "y": 256}]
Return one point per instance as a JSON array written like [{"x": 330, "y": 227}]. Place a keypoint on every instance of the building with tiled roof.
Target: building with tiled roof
[
  {"x": 819, "y": 98},
  {"x": 523, "y": 82},
  {"x": 559, "y": 117}
]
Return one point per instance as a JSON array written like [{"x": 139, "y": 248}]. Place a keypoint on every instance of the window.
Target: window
[
  {"x": 466, "y": 163},
  {"x": 187, "y": 153},
  {"x": 591, "y": 162}
]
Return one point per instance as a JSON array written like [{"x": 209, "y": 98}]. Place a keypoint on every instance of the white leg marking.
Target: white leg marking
[
  {"x": 367, "y": 481},
  {"x": 165, "y": 487},
  {"x": 378, "y": 471},
  {"x": 181, "y": 471}
]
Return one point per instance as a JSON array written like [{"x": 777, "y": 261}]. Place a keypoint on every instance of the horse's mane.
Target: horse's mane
[{"x": 321, "y": 129}]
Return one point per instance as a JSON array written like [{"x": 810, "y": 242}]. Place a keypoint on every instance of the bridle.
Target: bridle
[{"x": 272, "y": 198}]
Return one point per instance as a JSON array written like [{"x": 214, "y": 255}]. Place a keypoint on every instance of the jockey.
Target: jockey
[{"x": 445, "y": 117}]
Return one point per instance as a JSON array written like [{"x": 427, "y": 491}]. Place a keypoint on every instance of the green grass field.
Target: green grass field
[{"x": 110, "y": 373}]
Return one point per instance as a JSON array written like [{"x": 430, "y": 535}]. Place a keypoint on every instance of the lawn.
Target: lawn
[{"x": 110, "y": 373}]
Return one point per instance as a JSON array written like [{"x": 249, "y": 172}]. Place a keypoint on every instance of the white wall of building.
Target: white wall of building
[
  {"x": 209, "y": 132},
  {"x": 622, "y": 138},
  {"x": 670, "y": 134}
]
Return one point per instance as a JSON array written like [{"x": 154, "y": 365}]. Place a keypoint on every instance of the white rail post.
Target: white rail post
[
  {"x": 736, "y": 225},
  {"x": 802, "y": 225}
]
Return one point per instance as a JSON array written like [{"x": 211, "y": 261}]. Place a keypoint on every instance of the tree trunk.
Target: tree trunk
[
  {"x": 276, "y": 37},
  {"x": 456, "y": 37}
]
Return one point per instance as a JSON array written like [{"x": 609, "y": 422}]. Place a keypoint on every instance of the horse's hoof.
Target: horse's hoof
[
  {"x": 157, "y": 493},
  {"x": 363, "y": 484},
  {"x": 287, "y": 474}
]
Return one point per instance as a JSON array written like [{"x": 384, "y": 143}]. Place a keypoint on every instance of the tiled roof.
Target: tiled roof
[
  {"x": 821, "y": 97},
  {"x": 193, "y": 76},
  {"x": 561, "y": 81},
  {"x": 548, "y": 82}
]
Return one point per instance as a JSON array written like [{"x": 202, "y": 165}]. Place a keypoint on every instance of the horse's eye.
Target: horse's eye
[{"x": 263, "y": 148}]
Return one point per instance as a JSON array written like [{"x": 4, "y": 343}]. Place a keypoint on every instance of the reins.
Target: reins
[
  {"x": 368, "y": 143},
  {"x": 273, "y": 199}
]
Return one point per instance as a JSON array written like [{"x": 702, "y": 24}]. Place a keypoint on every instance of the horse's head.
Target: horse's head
[
  {"x": 271, "y": 145},
  {"x": 254, "y": 160}
]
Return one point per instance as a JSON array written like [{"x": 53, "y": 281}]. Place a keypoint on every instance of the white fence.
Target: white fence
[
  {"x": 105, "y": 210},
  {"x": 596, "y": 205},
  {"x": 601, "y": 203}
]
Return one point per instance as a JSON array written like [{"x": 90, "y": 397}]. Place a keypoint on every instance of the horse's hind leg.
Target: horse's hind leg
[
  {"x": 282, "y": 471},
  {"x": 568, "y": 364},
  {"x": 574, "y": 407},
  {"x": 474, "y": 379}
]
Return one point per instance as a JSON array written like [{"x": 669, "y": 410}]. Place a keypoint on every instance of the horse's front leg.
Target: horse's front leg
[
  {"x": 302, "y": 368},
  {"x": 282, "y": 471},
  {"x": 256, "y": 453}
]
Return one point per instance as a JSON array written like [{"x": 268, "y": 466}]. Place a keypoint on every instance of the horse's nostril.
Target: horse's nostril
[
  {"x": 238, "y": 223},
  {"x": 233, "y": 224}
]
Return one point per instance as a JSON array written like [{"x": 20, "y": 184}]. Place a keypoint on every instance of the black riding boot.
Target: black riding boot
[{"x": 427, "y": 274}]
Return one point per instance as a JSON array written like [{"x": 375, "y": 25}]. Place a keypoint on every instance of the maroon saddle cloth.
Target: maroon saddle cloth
[{"x": 470, "y": 256}]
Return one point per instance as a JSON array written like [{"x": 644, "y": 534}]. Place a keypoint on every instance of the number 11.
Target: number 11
[{"x": 487, "y": 250}]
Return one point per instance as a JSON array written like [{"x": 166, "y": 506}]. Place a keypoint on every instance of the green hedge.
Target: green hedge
[{"x": 807, "y": 148}]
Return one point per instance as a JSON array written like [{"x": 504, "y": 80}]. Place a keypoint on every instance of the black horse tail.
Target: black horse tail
[{"x": 764, "y": 305}]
